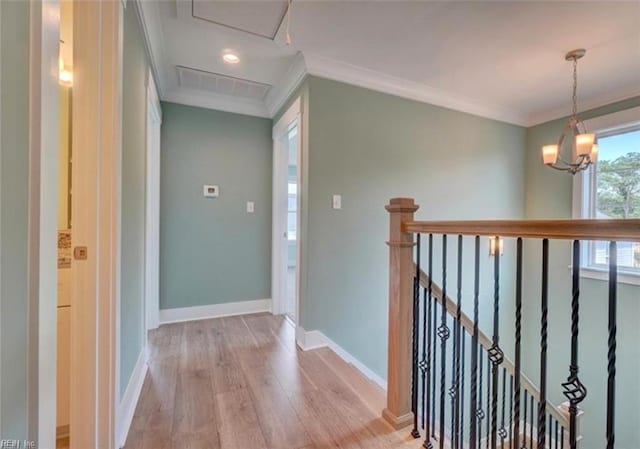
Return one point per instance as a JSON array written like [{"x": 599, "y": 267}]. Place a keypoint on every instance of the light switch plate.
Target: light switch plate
[
  {"x": 211, "y": 191},
  {"x": 250, "y": 207},
  {"x": 337, "y": 202}
]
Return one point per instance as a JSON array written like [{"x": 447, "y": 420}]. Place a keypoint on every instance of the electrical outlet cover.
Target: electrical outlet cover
[{"x": 211, "y": 191}]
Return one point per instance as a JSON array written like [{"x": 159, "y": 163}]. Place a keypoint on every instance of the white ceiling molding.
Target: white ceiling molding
[
  {"x": 279, "y": 94},
  {"x": 150, "y": 22},
  {"x": 608, "y": 98},
  {"x": 164, "y": 58},
  {"x": 370, "y": 79},
  {"x": 227, "y": 103}
]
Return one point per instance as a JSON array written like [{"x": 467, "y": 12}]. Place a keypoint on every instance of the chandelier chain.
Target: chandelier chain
[{"x": 575, "y": 87}]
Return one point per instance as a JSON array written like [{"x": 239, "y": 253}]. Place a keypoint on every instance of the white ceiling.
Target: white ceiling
[{"x": 503, "y": 60}]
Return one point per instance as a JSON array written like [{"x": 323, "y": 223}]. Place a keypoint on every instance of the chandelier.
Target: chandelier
[{"x": 583, "y": 144}]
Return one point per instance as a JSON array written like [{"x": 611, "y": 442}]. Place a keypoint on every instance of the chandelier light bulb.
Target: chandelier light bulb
[
  {"x": 584, "y": 144},
  {"x": 550, "y": 154}
]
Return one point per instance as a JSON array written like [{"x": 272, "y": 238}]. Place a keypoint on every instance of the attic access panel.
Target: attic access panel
[{"x": 260, "y": 18}]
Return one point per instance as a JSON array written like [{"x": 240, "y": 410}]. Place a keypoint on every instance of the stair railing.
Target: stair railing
[{"x": 429, "y": 378}]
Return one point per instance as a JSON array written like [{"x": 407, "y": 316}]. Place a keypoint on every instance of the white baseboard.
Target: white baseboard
[
  {"x": 214, "y": 311},
  {"x": 129, "y": 401},
  {"x": 308, "y": 340}
]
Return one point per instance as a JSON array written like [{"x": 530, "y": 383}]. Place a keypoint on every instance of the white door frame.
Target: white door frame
[
  {"x": 97, "y": 117},
  {"x": 44, "y": 38},
  {"x": 279, "y": 243},
  {"x": 152, "y": 209}
]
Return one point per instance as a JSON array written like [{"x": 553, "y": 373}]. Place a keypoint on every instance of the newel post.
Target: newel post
[{"x": 398, "y": 411}]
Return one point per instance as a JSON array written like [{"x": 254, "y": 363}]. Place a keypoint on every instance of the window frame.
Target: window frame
[
  {"x": 292, "y": 237},
  {"x": 584, "y": 193}
]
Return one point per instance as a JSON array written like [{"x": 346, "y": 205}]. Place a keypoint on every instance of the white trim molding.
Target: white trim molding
[
  {"x": 149, "y": 20},
  {"x": 42, "y": 271},
  {"x": 195, "y": 313},
  {"x": 129, "y": 401},
  {"x": 309, "y": 340},
  {"x": 306, "y": 63},
  {"x": 609, "y": 98},
  {"x": 624, "y": 277},
  {"x": 280, "y": 93},
  {"x": 399, "y": 87},
  {"x": 616, "y": 122}
]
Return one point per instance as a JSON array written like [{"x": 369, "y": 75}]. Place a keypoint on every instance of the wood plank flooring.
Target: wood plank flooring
[{"x": 241, "y": 382}]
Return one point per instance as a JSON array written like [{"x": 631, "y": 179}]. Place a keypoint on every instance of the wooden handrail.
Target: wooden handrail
[
  {"x": 486, "y": 342},
  {"x": 619, "y": 230}
]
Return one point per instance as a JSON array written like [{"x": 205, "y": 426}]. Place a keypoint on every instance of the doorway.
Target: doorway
[
  {"x": 65, "y": 183},
  {"x": 286, "y": 214},
  {"x": 152, "y": 213}
]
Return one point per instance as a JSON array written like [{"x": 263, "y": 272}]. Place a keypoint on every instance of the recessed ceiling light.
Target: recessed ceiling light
[{"x": 231, "y": 58}]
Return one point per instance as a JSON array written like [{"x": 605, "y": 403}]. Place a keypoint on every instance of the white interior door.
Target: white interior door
[
  {"x": 152, "y": 213},
  {"x": 286, "y": 214}
]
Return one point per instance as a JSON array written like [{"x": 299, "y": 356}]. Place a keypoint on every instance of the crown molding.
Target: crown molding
[
  {"x": 586, "y": 105},
  {"x": 399, "y": 87},
  {"x": 227, "y": 103},
  {"x": 313, "y": 64},
  {"x": 153, "y": 45},
  {"x": 279, "y": 94}
]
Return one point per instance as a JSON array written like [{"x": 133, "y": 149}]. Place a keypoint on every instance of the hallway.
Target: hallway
[{"x": 240, "y": 382}]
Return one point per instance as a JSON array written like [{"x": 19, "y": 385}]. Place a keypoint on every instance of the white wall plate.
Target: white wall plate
[{"x": 211, "y": 191}]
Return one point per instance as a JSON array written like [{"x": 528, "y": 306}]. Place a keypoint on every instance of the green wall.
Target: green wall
[
  {"x": 14, "y": 177},
  {"x": 370, "y": 147},
  {"x": 549, "y": 195},
  {"x": 211, "y": 250},
  {"x": 134, "y": 119}
]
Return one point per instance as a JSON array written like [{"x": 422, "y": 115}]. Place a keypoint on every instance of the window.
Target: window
[
  {"x": 612, "y": 190},
  {"x": 292, "y": 211}
]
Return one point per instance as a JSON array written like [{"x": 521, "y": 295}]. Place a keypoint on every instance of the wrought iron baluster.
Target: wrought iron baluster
[
  {"x": 488, "y": 409},
  {"x": 562, "y": 438},
  {"x": 429, "y": 366},
  {"x": 542, "y": 404},
  {"x": 516, "y": 375},
  {"x": 480, "y": 411},
  {"x": 424, "y": 364},
  {"x": 531, "y": 421},
  {"x": 473, "y": 431},
  {"x": 457, "y": 349},
  {"x": 461, "y": 440},
  {"x": 611, "y": 353},
  {"x": 574, "y": 390},
  {"x": 416, "y": 323},
  {"x": 556, "y": 435},
  {"x": 502, "y": 433},
  {"x": 524, "y": 429},
  {"x": 495, "y": 353},
  {"x": 443, "y": 333},
  {"x": 550, "y": 430},
  {"x": 433, "y": 363},
  {"x": 510, "y": 409},
  {"x": 452, "y": 389}
]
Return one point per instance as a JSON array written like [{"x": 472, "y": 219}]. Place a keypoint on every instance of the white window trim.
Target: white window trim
[{"x": 617, "y": 122}]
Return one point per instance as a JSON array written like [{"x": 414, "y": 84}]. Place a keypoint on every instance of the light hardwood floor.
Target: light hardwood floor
[{"x": 241, "y": 382}]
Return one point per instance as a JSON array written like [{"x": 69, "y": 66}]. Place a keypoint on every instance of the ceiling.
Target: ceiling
[{"x": 503, "y": 60}]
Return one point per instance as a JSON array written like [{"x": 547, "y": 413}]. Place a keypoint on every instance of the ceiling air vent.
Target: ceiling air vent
[{"x": 221, "y": 84}]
